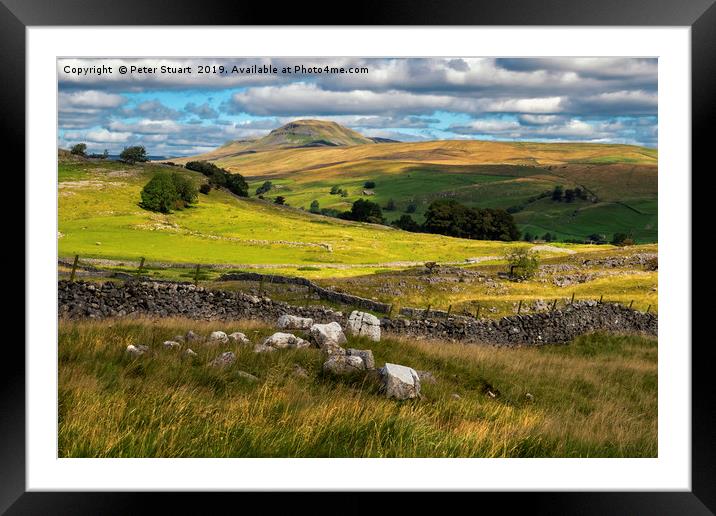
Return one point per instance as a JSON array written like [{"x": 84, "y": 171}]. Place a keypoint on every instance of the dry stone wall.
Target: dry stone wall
[{"x": 155, "y": 299}]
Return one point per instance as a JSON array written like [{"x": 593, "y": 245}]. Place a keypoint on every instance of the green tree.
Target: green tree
[
  {"x": 280, "y": 199},
  {"x": 265, "y": 187},
  {"x": 411, "y": 208},
  {"x": 79, "y": 149},
  {"x": 237, "y": 184},
  {"x": 134, "y": 154},
  {"x": 205, "y": 188},
  {"x": 391, "y": 205},
  {"x": 369, "y": 185},
  {"x": 364, "y": 211},
  {"x": 315, "y": 207},
  {"x": 522, "y": 262},
  {"x": 185, "y": 189},
  {"x": 160, "y": 193},
  {"x": 569, "y": 195},
  {"x": 105, "y": 154},
  {"x": 335, "y": 189}
]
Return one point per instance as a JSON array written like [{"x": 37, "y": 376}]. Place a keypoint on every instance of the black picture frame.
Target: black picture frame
[{"x": 700, "y": 15}]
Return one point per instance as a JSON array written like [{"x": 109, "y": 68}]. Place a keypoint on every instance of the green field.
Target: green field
[{"x": 596, "y": 397}]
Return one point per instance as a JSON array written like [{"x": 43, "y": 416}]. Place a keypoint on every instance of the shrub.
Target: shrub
[
  {"x": 280, "y": 199},
  {"x": 134, "y": 154},
  {"x": 265, "y": 187},
  {"x": 234, "y": 182},
  {"x": 390, "y": 206},
  {"x": 411, "y": 208},
  {"x": 185, "y": 189},
  {"x": 335, "y": 190},
  {"x": 523, "y": 263},
  {"x": 369, "y": 185},
  {"x": 237, "y": 184},
  {"x": 621, "y": 239},
  {"x": 205, "y": 188},
  {"x": 315, "y": 207},
  {"x": 159, "y": 194},
  {"x": 79, "y": 150},
  {"x": 557, "y": 193}
]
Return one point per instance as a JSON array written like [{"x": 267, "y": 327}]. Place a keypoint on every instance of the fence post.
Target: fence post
[
  {"x": 390, "y": 311},
  {"x": 196, "y": 276},
  {"x": 648, "y": 308},
  {"x": 554, "y": 306},
  {"x": 427, "y": 312},
  {"x": 601, "y": 298},
  {"x": 477, "y": 314},
  {"x": 631, "y": 303},
  {"x": 74, "y": 268},
  {"x": 519, "y": 307},
  {"x": 141, "y": 265},
  {"x": 261, "y": 286},
  {"x": 448, "y": 312},
  {"x": 571, "y": 302}
]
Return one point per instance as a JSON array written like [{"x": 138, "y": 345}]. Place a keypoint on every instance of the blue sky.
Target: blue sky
[{"x": 607, "y": 100}]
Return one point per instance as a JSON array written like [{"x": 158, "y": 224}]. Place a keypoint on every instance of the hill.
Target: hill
[{"x": 621, "y": 180}]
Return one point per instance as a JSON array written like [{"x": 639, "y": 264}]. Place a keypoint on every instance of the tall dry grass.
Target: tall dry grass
[{"x": 596, "y": 397}]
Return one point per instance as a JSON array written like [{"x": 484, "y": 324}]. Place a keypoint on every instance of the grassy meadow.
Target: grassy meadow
[
  {"x": 595, "y": 397},
  {"x": 486, "y": 174}
]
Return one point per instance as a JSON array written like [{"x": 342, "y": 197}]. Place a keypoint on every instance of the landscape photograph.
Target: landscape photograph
[{"x": 357, "y": 257}]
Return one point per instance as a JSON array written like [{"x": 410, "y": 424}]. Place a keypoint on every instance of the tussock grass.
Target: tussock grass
[{"x": 596, "y": 397}]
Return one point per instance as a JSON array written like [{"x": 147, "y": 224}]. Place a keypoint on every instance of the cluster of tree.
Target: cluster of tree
[
  {"x": 281, "y": 200},
  {"x": 219, "y": 177},
  {"x": 337, "y": 190},
  {"x": 622, "y": 239},
  {"x": 265, "y": 187},
  {"x": 134, "y": 154},
  {"x": 559, "y": 194},
  {"x": 450, "y": 218},
  {"x": 315, "y": 207},
  {"x": 364, "y": 211},
  {"x": 369, "y": 185},
  {"x": 166, "y": 192}
]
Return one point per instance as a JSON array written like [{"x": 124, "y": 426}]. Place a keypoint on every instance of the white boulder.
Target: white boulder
[
  {"x": 281, "y": 340},
  {"x": 218, "y": 337},
  {"x": 364, "y": 324},
  {"x": 329, "y": 337},
  {"x": 365, "y": 354},
  {"x": 292, "y": 322},
  {"x": 225, "y": 359},
  {"x": 239, "y": 337},
  {"x": 135, "y": 351},
  {"x": 400, "y": 382},
  {"x": 343, "y": 364},
  {"x": 171, "y": 344}
]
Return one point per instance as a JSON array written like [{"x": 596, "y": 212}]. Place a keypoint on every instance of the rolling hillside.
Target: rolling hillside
[{"x": 621, "y": 180}]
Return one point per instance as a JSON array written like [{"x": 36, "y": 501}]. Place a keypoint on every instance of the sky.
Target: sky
[{"x": 180, "y": 111}]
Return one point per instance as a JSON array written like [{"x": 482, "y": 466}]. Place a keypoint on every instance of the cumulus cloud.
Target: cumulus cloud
[{"x": 592, "y": 99}]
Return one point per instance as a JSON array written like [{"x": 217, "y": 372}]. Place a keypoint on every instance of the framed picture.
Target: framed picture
[{"x": 416, "y": 250}]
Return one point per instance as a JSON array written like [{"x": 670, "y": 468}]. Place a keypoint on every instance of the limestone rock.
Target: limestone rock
[
  {"x": 171, "y": 344},
  {"x": 343, "y": 364},
  {"x": 135, "y": 351},
  {"x": 225, "y": 359},
  {"x": 292, "y": 322},
  {"x": 400, "y": 382},
  {"x": 364, "y": 324},
  {"x": 189, "y": 353},
  {"x": 192, "y": 337},
  {"x": 365, "y": 354},
  {"x": 426, "y": 377},
  {"x": 218, "y": 337},
  {"x": 281, "y": 340},
  {"x": 329, "y": 337},
  {"x": 239, "y": 337},
  {"x": 299, "y": 371},
  {"x": 246, "y": 376}
]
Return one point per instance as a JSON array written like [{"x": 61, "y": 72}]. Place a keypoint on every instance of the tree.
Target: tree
[
  {"x": 529, "y": 237},
  {"x": 315, "y": 207},
  {"x": 79, "y": 150},
  {"x": 406, "y": 223},
  {"x": 523, "y": 262},
  {"x": 547, "y": 237},
  {"x": 344, "y": 193},
  {"x": 280, "y": 199},
  {"x": 449, "y": 217},
  {"x": 411, "y": 208},
  {"x": 622, "y": 239},
  {"x": 390, "y": 206},
  {"x": 557, "y": 193},
  {"x": 597, "y": 238},
  {"x": 335, "y": 189},
  {"x": 105, "y": 154},
  {"x": 185, "y": 189},
  {"x": 369, "y": 185},
  {"x": 205, "y": 188},
  {"x": 364, "y": 211},
  {"x": 159, "y": 194},
  {"x": 569, "y": 195},
  {"x": 265, "y": 187},
  {"x": 237, "y": 184},
  {"x": 134, "y": 154}
]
